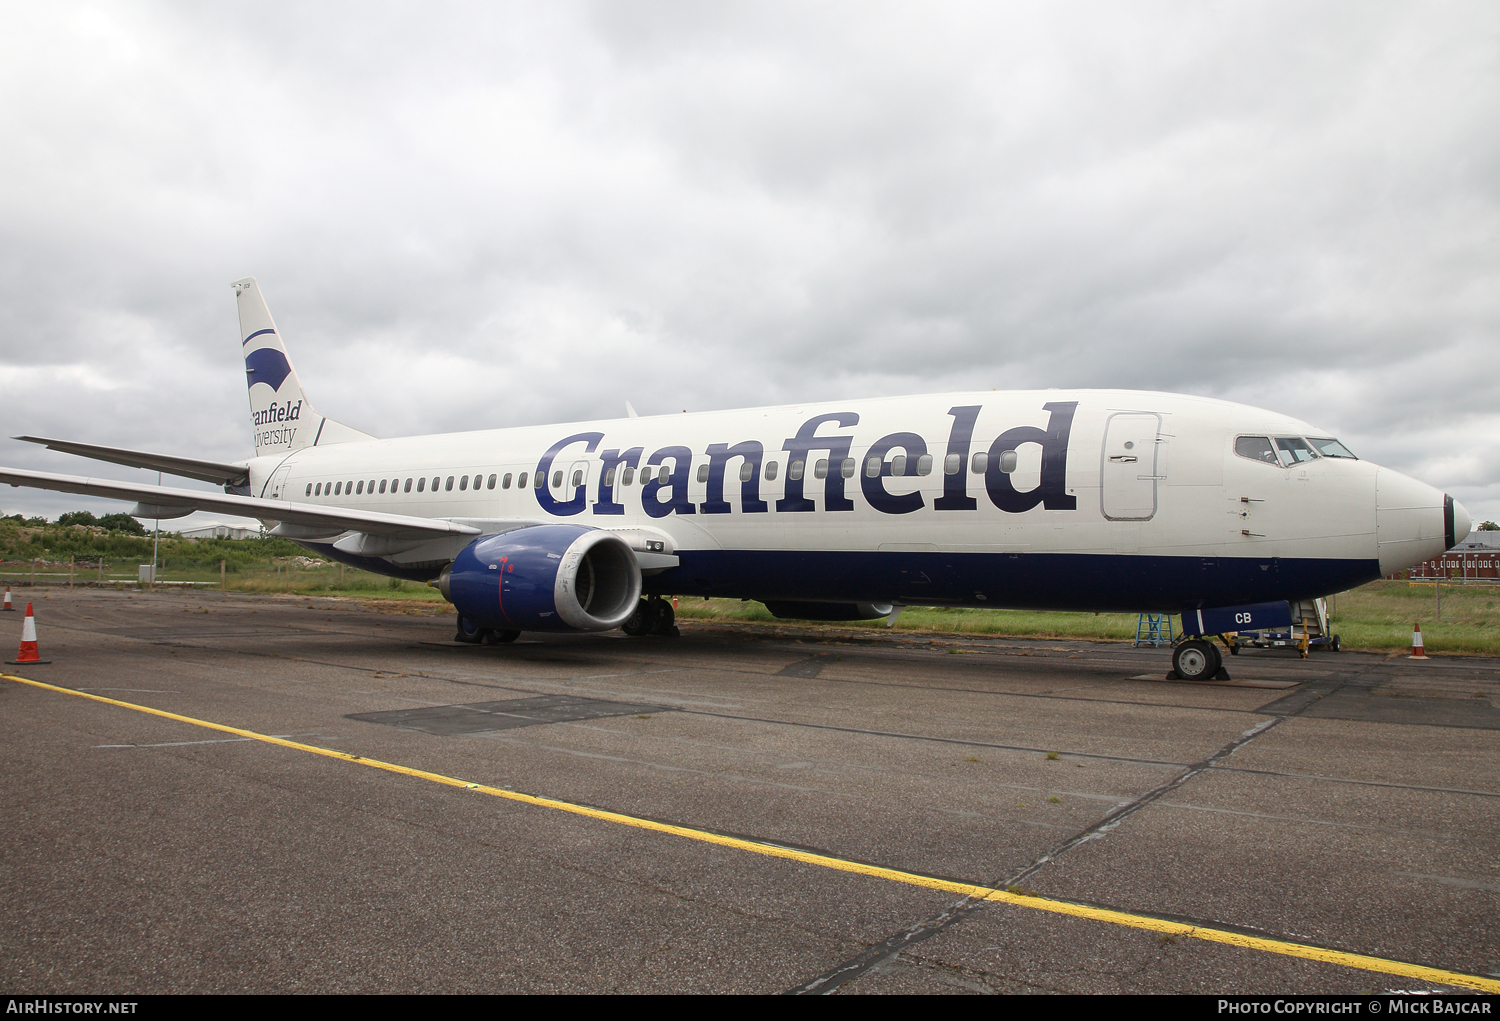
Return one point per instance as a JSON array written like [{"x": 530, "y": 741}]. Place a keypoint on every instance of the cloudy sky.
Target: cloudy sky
[{"x": 467, "y": 216}]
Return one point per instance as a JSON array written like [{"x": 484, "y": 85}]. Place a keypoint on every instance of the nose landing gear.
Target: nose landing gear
[{"x": 1197, "y": 659}]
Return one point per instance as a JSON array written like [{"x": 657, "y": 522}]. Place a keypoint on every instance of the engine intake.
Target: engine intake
[{"x": 545, "y": 578}]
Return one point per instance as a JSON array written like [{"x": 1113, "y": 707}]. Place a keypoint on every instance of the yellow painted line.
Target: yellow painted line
[{"x": 1057, "y": 907}]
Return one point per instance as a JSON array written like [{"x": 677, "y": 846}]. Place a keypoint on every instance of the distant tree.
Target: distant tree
[
  {"x": 77, "y": 518},
  {"x": 122, "y": 523},
  {"x": 36, "y": 522},
  {"x": 1488, "y": 526}
]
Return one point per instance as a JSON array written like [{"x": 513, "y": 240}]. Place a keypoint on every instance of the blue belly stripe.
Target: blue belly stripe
[{"x": 1098, "y": 582}]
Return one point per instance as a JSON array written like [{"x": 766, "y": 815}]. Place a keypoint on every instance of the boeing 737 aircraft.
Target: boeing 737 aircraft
[{"x": 1105, "y": 500}]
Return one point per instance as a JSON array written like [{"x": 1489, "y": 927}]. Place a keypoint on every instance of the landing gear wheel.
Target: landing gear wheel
[
  {"x": 643, "y": 620},
  {"x": 1334, "y": 645},
  {"x": 1196, "y": 660},
  {"x": 1234, "y": 650},
  {"x": 500, "y": 637},
  {"x": 665, "y": 619},
  {"x": 469, "y": 632}
]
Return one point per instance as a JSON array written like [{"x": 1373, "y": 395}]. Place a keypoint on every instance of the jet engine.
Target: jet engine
[{"x": 544, "y": 578}]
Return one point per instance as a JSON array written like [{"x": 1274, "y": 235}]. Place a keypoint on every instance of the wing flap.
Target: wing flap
[
  {"x": 395, "y": 526},
  {"x": 188, "y": 467}
]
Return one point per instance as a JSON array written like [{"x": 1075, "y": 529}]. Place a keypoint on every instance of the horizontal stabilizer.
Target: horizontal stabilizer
[
  {"x": 335, "y": 519},
  {"x": 187, "y": 467}
]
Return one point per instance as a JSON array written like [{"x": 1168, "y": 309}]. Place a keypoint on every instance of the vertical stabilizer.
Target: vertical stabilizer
[{"x": 281, "y": 416}]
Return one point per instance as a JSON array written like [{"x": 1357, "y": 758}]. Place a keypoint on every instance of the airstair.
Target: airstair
[{"x": 1153, "y": 629}]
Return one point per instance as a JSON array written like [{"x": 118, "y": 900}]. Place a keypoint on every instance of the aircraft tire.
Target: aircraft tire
[
  {"x": 1334, "y": 645},
  {"x": 643, "y": 620},
  {"x": 1196, "y": 660},
  {"x": 469, "y": 632},
  {"x": 500, "y": 637},
  {"x": 666, "y": 619}
]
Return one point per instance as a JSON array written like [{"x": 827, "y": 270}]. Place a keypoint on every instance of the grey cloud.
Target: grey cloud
[{"x": 479, "y": 215}]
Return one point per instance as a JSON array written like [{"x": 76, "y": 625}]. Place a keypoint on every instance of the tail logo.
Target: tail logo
[{"x": 267, "y": 365}]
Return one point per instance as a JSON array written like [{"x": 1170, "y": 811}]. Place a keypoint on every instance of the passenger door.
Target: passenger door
[{"x": 1128, "y": 473}]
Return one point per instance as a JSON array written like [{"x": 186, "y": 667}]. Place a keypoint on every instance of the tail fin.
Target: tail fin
[{"x": 280, "y": 413}]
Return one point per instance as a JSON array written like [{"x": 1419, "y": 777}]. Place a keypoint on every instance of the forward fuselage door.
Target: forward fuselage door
[{"x": 1128, "y": 474}]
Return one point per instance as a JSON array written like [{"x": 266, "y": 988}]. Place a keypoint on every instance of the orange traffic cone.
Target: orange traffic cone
[
  {"x": 7, "y": 605},
  {"x": 1416, "y": 642},
  {"x": 28, "y": 653}
]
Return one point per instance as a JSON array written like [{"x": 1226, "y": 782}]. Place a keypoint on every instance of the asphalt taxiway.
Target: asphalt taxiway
[{"x": 219, "y": 793}]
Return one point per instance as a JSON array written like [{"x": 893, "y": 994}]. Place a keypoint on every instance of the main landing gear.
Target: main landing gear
[
  {"x": 1198, "y": 659},
  {"x": 471, "y": 633},
  {"x": 653, "y": 616}
]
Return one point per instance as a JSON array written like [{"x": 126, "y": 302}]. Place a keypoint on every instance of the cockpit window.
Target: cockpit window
[
  {"x": 1256, "y": 448},
  {"x": 1330, "y": 447},
  {"x": 1294, "y": 450}
]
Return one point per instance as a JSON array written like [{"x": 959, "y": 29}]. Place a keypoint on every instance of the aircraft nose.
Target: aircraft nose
[
  {"x": 1413, "y": 521},
  {"x": 1458, "y": 521}
]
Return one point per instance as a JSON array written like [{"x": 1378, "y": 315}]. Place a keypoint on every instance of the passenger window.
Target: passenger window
[
  {"x": 338, "y": 489},
  {"x": 703, "y": 473},
  {"x": 521, "y": 481},
  {"x": 1330, "y": 447},
  {"x": 981, "y": 463},
  {"x": 557, "y": 480},
  {"x": 372, "y": 487},
  {"x": 662, "y": 475},
  {"x": 747, "y": 471},
  {"x": 629, "y": 475},
  {"x": 794, "y": 470},
  {"x": 395, "y": 484},
  {"x": 538, "y": 480},
  {"x": 846, "y": 469},
  {"x": 406, "y": 488},
  {"x": 491, "y": 484},
  {"x": 898, "y": 465},
  {"x": 382, "y": 485},
  {"x": 1256, "y": 448},
  {"x": 318, "y": 491},
  {"x": 449, "y": 487},
  {"x": 820, "y": 469},
  {"x": 421, "y": 484},
  {"x": 309, "y": 490},
  {"x": 1008, "y": 461},
  {"x": 578, "y": 477},
  {"x": 770, "y": 471},
  {"x": 872, "y": 468},
  {"x": 953, "y": 464},
  {"x": 609, "y": 477},
  {"x": 436, "y": 481},
  {"x": 924, "y": 464},
  {"x": 506, "y": 480},
  {"x": 463, "y": 483},
  {"x": 349, "y": 488},
  {"x": 1294, "y": 449}
]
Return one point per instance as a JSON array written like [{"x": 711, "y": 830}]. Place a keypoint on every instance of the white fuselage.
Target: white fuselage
[{"x": 1080, "y": 499}]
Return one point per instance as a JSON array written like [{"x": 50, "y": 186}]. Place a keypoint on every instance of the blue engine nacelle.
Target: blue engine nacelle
[{"x": 545, "y": 578}]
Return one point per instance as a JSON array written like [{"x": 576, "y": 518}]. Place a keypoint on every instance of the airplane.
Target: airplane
[{"x": 1085, "y": 500}]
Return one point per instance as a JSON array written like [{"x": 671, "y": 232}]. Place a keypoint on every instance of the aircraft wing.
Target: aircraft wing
[
  {"x": 312, "y": 520},
  {"x": 188, "y": 467}
]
